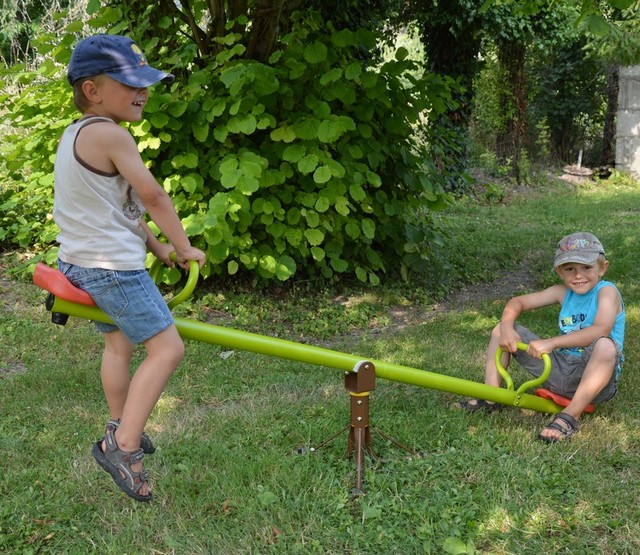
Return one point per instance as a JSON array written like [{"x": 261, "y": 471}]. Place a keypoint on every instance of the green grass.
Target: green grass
[{"x": 229, "y": 476}]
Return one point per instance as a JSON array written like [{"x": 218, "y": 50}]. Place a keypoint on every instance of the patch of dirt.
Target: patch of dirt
[
  {"x": 11, "y": 367},
  {"x": 510, "y": 284}
]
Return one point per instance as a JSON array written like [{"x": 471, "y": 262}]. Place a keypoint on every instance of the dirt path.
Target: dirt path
[{"x": 510, "y": 284}]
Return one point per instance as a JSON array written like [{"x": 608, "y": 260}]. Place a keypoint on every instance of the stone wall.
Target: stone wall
[{"x": 628, "y": 121}]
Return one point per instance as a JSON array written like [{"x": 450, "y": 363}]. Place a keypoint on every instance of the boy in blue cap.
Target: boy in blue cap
[
  {"x": 586, "y": 355},
  {"x": 102, "y": 190}
]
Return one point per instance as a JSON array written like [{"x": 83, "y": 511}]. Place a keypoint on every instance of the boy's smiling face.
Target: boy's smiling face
[
  {"x": 582, "y": 278},
  {"x": 115, "y": 100}
]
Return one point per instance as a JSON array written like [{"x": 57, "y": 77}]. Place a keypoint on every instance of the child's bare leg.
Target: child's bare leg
[
  {"x": 164, "y": 353},
  {"x": 115, "y": 371},
  {"x": 597, "y": 375},
  {"x": 491, "y": 374}
]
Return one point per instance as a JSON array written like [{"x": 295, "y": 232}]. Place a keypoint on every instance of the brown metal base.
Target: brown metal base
[{"x": 359, "y": 383}]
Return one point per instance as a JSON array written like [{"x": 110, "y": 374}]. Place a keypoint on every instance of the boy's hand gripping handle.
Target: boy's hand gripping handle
[
  {"x": 192, "y": 280},
  {"x": 546, "y": 370}
]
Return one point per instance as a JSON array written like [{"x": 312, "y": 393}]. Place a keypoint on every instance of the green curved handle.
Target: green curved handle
[
  {"x": 546, "y": 370},
  {"x": 192, "y": 280}
]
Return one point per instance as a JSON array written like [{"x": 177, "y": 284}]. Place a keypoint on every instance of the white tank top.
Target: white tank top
[{"x": 98, "y": 213}]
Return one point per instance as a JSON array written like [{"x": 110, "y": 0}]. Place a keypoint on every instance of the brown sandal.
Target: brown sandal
[{"x": 118, "y": 463}]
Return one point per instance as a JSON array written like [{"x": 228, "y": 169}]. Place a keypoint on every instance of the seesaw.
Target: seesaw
[{"x": 65, "y": 300}]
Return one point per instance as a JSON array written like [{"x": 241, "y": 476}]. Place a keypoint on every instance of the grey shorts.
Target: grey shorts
[
  {"x": 131, "y": 299},
  {"x": 566, "y": 369}
]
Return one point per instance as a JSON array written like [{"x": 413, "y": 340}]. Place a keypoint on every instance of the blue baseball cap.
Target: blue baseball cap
[{"x": 116, "y": 56}]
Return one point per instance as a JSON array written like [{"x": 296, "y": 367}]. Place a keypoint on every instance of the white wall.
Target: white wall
[{"x": 628, "y": 121}]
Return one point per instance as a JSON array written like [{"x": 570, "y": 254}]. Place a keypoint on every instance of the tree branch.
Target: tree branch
[{"x": 199, "y": 36}]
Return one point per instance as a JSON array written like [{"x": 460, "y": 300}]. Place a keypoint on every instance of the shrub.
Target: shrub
[{"x": 302, "y": 165}]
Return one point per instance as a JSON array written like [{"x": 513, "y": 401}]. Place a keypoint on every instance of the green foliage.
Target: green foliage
[
  {"x": 565, "y": 92},
  {"x": 303, "y": 165},
  {"x": 616, "y": 39},
  {"x": 568, "y": 94},
  {"x": 26, "y": 196},
  {"x": 542, "y": 140},
  {"x": 612, "y": 25},
  {"x": 489, "y": 115},
  {"x": 446, "y": 27},
  {"x": 19, "y": 21}
]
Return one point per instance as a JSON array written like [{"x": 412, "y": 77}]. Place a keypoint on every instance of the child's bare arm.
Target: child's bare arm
[
  {"x": 162, "y": 251},
  {"x": 123, "y": 152},
  {"x": 517, "y": 305}
]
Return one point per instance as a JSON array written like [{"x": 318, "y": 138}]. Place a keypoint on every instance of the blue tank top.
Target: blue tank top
[{"x": 579, "y": 311}]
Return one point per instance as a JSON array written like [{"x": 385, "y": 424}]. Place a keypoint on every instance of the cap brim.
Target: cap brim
[
  {"x": 588, "y": 259},
  {"x": 141, "y": 76}
]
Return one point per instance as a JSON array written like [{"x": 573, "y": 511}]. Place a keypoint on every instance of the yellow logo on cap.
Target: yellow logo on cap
[{"x": 140, "y": 54}]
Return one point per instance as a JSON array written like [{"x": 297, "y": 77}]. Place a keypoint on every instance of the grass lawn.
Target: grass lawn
[{"x": 234, "y": 473}]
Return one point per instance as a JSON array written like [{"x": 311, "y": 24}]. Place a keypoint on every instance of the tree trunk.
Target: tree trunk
[
  {"x": 264, "y": 29},
  {"x": 607, "y": 156},
  {"x": 511, "y": 55}
]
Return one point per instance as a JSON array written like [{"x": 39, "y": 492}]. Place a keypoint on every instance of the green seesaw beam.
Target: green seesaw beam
[{"x": 280, "y": 348}]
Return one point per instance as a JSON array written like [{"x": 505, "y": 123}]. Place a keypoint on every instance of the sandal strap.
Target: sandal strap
[
  {"x": 113, "y": 423},
  {"x": 145, "y": 440},
  {"x": 123, "y": 460},
  {"x": 570, "y": 425},
  {"x": 570, "y": 421},
  {"x": 112, "y": 447},
  {"x": 558, "y": 428}
]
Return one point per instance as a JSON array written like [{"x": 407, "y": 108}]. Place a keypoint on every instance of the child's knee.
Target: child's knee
[
  {"x": 175, "y": 349},
  {"x": 605, "y": 347},
  {"x": 167, "y": 345},
  {"x": 180, "y": 350}
]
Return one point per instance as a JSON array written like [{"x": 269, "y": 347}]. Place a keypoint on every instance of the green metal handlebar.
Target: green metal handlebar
[
  {"x": 192, "y": 280},
  {"x": 546, "y": 370}
]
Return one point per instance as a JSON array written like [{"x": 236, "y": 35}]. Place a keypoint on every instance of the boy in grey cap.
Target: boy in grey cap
[
  {"x": 102, "y": 190},
  {"x": 586, "y": 355}
]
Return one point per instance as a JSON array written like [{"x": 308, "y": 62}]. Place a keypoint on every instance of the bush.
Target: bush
[{"x": 303, "y": 165}]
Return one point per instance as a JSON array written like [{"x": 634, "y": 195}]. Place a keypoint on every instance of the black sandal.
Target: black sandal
[
  {"x": 567, "y": 429},
  {"x": 118, "y": 464},
  {"x": 479, "y": 404}
]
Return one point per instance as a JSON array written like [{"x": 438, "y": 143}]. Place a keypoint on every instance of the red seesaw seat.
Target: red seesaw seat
[
  {"x": 56, "y": 282},
  {"x": 559, "y": 399}
]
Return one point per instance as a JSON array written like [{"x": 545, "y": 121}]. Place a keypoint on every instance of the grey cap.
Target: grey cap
[{"x": 583, "y": 248}]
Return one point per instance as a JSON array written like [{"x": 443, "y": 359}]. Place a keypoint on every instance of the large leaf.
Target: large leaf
[
  {"x": 598, "y": 25},
  {"x": 314, "y": 236},
  {"x": 308, "y": 164},
  {"x": 285, "y": 134},
  {"x": 315, "y": 53},
  {"x": 322, "y": 174},
  {"x": 285, "y": 268},
  {"x": 294, "y": 153}
]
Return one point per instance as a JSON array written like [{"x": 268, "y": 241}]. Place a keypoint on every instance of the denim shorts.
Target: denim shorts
[
  {"x": 566, "y": 369},
  {"x": 130, "y": 298}
]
